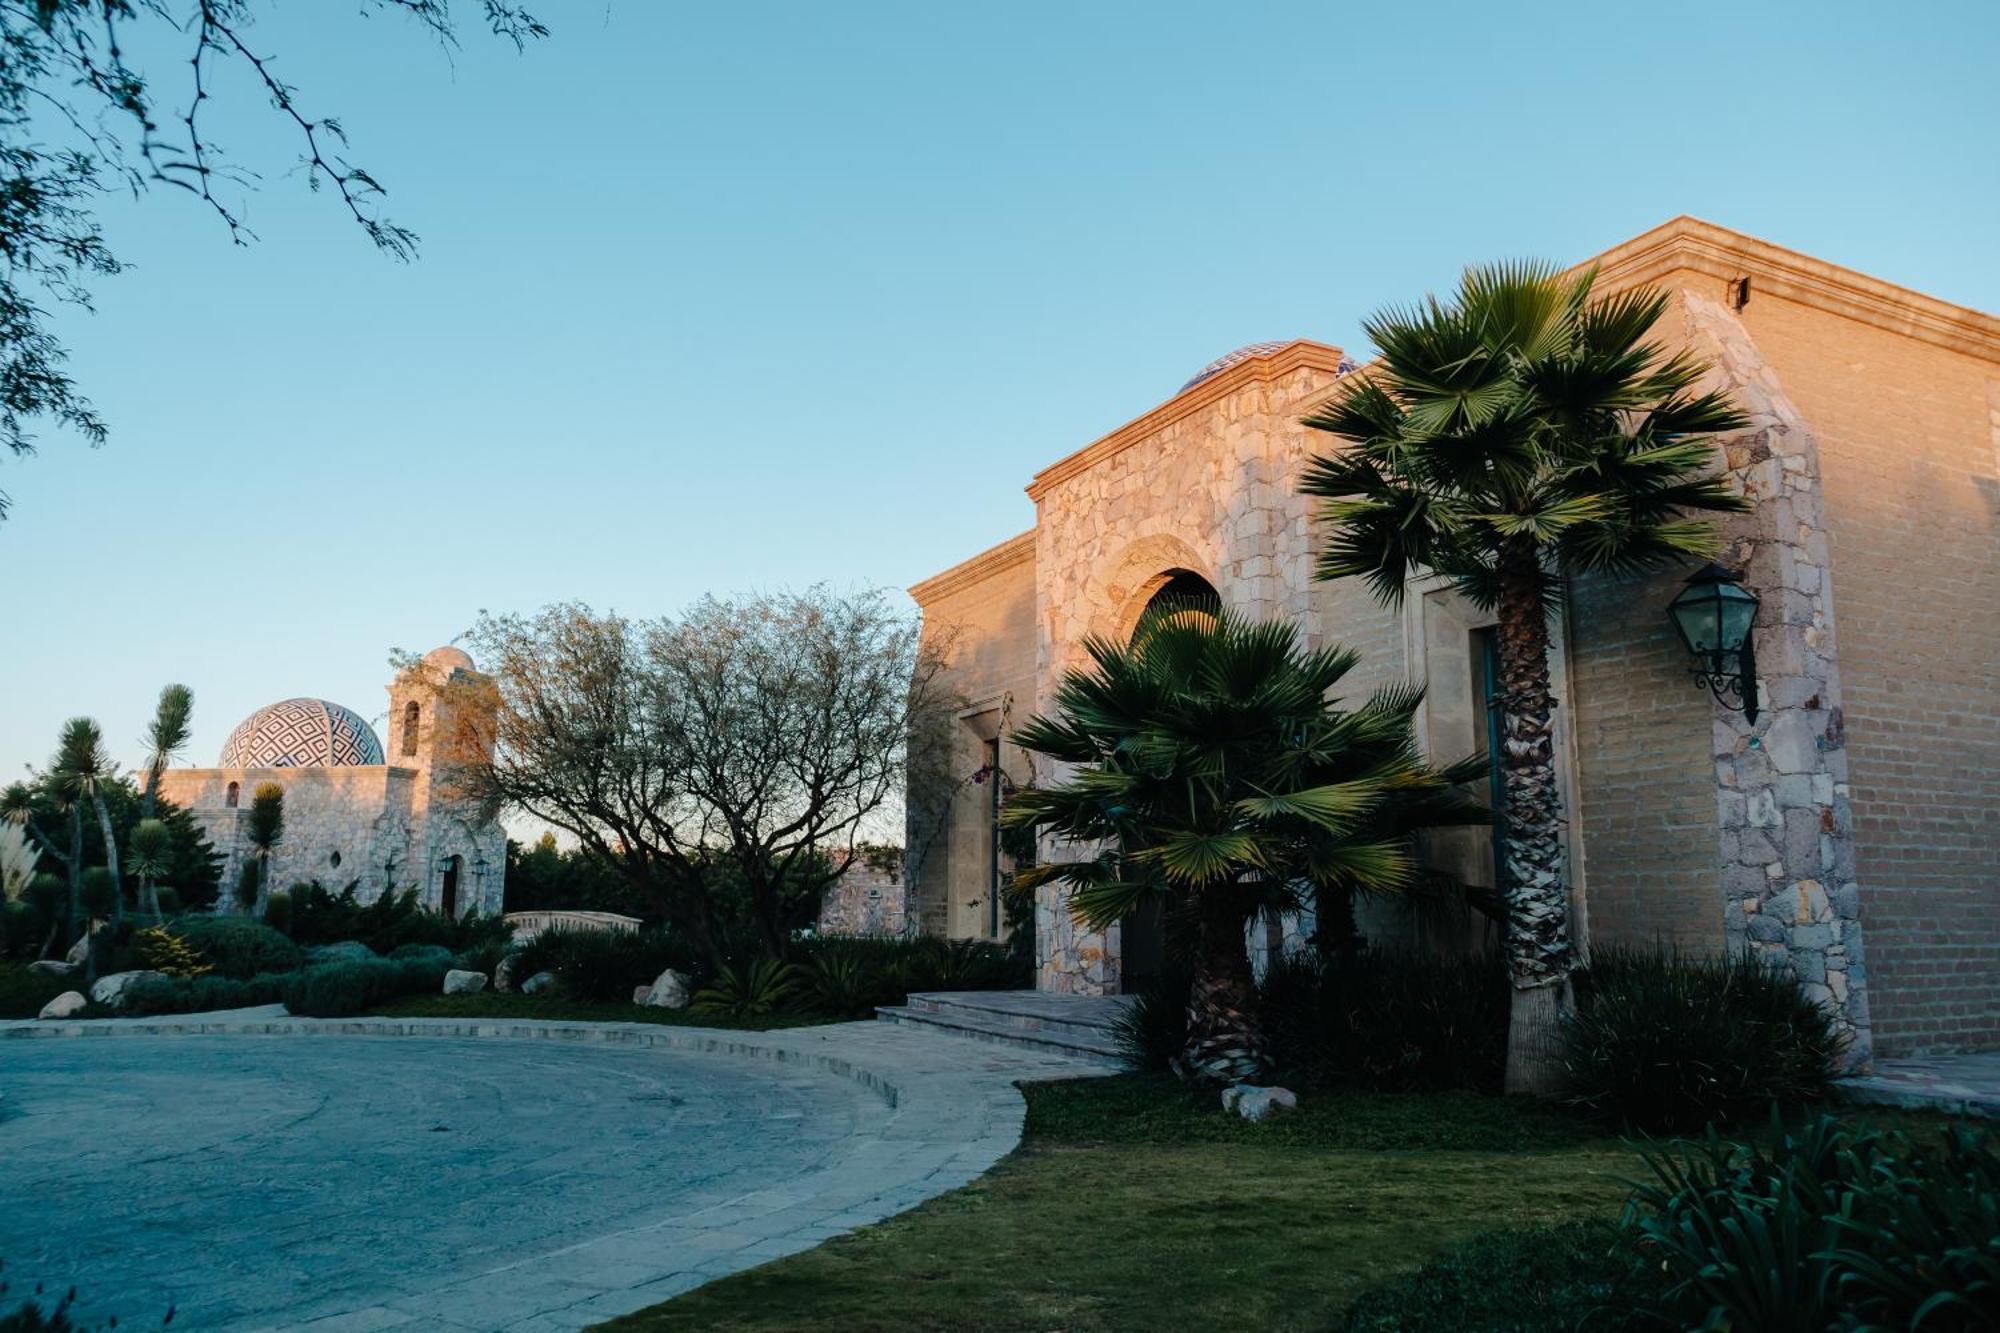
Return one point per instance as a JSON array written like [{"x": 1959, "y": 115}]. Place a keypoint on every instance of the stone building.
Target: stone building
[
  {"x": 353, "y": 815},
  {"x": 869, "y": 898},
  {"x": 1846, "y": 832}
]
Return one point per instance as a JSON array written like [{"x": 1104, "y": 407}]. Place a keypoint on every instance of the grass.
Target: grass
[
  {"x": 1131, "y": 1205},
  {"x": 489, "y": 1004}
]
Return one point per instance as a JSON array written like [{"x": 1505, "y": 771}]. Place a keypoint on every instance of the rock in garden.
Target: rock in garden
[
  {"x": 639, "y": 994},
  {"x": 503, "y": 975},
  {"x": 110, "y": 991},
  {"x": 1256, "y": 1104},
  {"x": 65, "y": 1004},
  {"x": 460, "y": 982},
  {"x": 76, "y": 951},
  {"x": 345, "y": 951},
  {"x": 52, "y": 967},
  {"x": 538, "y": 983},
  {"x": 670, "y": 990}
]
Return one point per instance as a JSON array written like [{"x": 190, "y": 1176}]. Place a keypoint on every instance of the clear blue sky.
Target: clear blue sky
[{"x": 749, "y": 295}]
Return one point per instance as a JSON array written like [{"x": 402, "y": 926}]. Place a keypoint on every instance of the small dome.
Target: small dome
[
  {"x": 448, "y": 659},
  {"x": 301, "y": 733},
  {"x": 1222, "y": 363}
]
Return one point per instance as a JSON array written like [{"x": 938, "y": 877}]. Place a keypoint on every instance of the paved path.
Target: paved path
[
  {"x": 257, "y": 1171},
  {"x": 1969, "y": 1082}
]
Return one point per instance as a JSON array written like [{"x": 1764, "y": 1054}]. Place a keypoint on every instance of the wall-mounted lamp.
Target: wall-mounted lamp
[{"x": 1713, "y": 615}]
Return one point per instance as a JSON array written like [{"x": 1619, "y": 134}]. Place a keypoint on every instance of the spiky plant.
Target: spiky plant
[
  {"x": 78, "y": 776},
  {"x": 265, "y": 830},
  {"x": 1518, "y": 433},
  {"x": 1212, "y": 769},
  {"x": 166, "y": 736},
  {"x": 148, "y": 856}
]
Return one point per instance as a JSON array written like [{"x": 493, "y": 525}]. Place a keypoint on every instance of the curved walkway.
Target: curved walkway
[{"x": 261, "y": 1171}]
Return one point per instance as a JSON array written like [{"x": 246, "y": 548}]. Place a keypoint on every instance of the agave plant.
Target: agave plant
[
  {"x": 1212, "y": 769},
  {"x": 764, "y": 987}
]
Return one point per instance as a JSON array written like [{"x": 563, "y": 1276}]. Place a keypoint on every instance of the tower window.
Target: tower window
[
  {"x": 411, "y": 713},
  {"x": 231, "y": 794}
]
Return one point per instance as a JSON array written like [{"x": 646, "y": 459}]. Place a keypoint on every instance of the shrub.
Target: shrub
[
  {"x": 764, "y": 987},
  {"x": 433, "y": 951},
  {"x": 339, "y": 990},
  {"x": 238, "y": 947},
  {"x": 176, "y": 995},
  {"x": 1827, "y": 1227},
  {"x": 170, "y": 898},
  {"x": 163, "y": 951},
  {"x": 1529, "y": 1281},
  {"x": 484, "y": 957},
  {"x": 1667, "y": 1043},
  {"x": 389, "y": 922},
  {"x": 602, "y": 965},
  {"x": 1152, "y": 1029},
  {"x": 1388, "y": 1020},
  {"x": 23, "y": 993}
]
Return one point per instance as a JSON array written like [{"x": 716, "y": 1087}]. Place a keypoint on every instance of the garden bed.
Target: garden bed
[{"x": 488, "y": 1004}]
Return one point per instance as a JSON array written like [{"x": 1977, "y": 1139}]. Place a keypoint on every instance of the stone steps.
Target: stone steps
[{"x": 1079, "y": 1026}]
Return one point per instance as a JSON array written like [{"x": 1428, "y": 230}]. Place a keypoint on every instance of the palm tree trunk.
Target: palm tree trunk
[
  {"x": 149, "y": 895},
  {"x": 1225, "y": 1040},
  {"x": 74, "y": 864},
  {"x": 110, "y": 860},
  {"x": 1538, "y": 945}
]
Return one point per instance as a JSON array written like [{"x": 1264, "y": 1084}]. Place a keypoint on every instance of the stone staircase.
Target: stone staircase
[{"x": 1074, "y": 1025}]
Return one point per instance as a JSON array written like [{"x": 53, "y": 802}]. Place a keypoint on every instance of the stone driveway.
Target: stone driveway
[{"x": 256, "y": 1171}]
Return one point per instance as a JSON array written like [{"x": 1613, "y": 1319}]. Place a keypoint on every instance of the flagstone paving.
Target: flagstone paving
[{"x": 257, "y": 1171}]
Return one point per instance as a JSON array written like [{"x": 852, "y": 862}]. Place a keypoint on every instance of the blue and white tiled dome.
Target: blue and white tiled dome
[
  {"x": 1222, "y": 363},
  {"x": 301, "y": 733}
]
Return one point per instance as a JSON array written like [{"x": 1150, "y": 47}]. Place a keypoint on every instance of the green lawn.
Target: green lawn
[
  {"x": 489, "y": 1004},
  {"x": 1132, "y": 1206}
]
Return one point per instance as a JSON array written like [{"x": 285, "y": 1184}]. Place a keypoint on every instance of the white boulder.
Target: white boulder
[
  {"x": 670, "y": 990},
  {"x": 1255, "y": 1104},
  {"x": 52, "y": 967},
  {"x": 110, "y": 991},
  {"x": 458, "y": 981},
  {"x": 68, "y": 1003},
  {"x": 503, "y": 975},
  {"x": 538, "y": 983}
]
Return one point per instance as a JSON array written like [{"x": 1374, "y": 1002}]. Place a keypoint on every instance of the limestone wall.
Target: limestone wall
[
  {"x": 982, "y": 615},
  {"x": 1909, "y": 440},
  {"x": 866, "y": 900}
]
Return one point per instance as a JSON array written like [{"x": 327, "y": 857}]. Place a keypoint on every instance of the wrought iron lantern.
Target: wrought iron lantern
[{"x": 1713, "y": 615}]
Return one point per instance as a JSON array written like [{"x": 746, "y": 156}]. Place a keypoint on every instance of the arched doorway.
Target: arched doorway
[
  {"x": 1142, "y": 935},
  {"x": 448, "y": 898}
]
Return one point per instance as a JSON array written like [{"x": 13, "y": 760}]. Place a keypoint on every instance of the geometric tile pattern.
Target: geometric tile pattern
[
  {"x": 1222, "y": 363},
  {"x": 301, "y": 733}
]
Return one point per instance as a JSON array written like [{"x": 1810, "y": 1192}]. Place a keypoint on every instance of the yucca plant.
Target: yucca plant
[
  {"x": 1520, "y": 432},
  {"x": 166, "y": 737},
  {"x": 264, "y": 831},
  {"x": 1212, "y": 769},
  {"x": 78, "y": 777},
  {"x": 149, "y": 855}
]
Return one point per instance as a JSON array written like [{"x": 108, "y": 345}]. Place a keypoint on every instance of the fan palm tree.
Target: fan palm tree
[
  {"x": 166, "y": 737},
  {"x": 266, "y": 829},
  {"x": 1213, "y": 771},
  {"x": 1514, "y": 435},
  {"x": 78, "y": 775}
]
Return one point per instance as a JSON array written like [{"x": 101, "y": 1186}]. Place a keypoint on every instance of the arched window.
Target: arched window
[
  {"x": 411, "y": 714},
  {"x": 230, "y": 796},
  {"x": 1184, "y": 593}
]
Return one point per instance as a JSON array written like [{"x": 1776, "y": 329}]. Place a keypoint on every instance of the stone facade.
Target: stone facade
[
  {"x": 1860, "y": 799},
  {"x": 869, "y": 898},
  {"x": 393, "y": 826}
]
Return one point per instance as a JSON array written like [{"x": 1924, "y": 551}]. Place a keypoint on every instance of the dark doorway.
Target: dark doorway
[
  {"x": 449, "y": 898},
  {"x": 1142, "y": 933}
]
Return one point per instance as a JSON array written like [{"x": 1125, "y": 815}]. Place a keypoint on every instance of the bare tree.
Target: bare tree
[{"x": 768, "y": 733}]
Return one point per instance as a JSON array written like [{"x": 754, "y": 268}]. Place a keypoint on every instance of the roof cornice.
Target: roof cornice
[
  {"x": 966, "y": 573},
  {"x": 1300, "y": 353},
  {"x": 1703, "y": 247}
]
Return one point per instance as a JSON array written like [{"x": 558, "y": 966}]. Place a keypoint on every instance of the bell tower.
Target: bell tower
[{"x": 440, "y": 722}]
